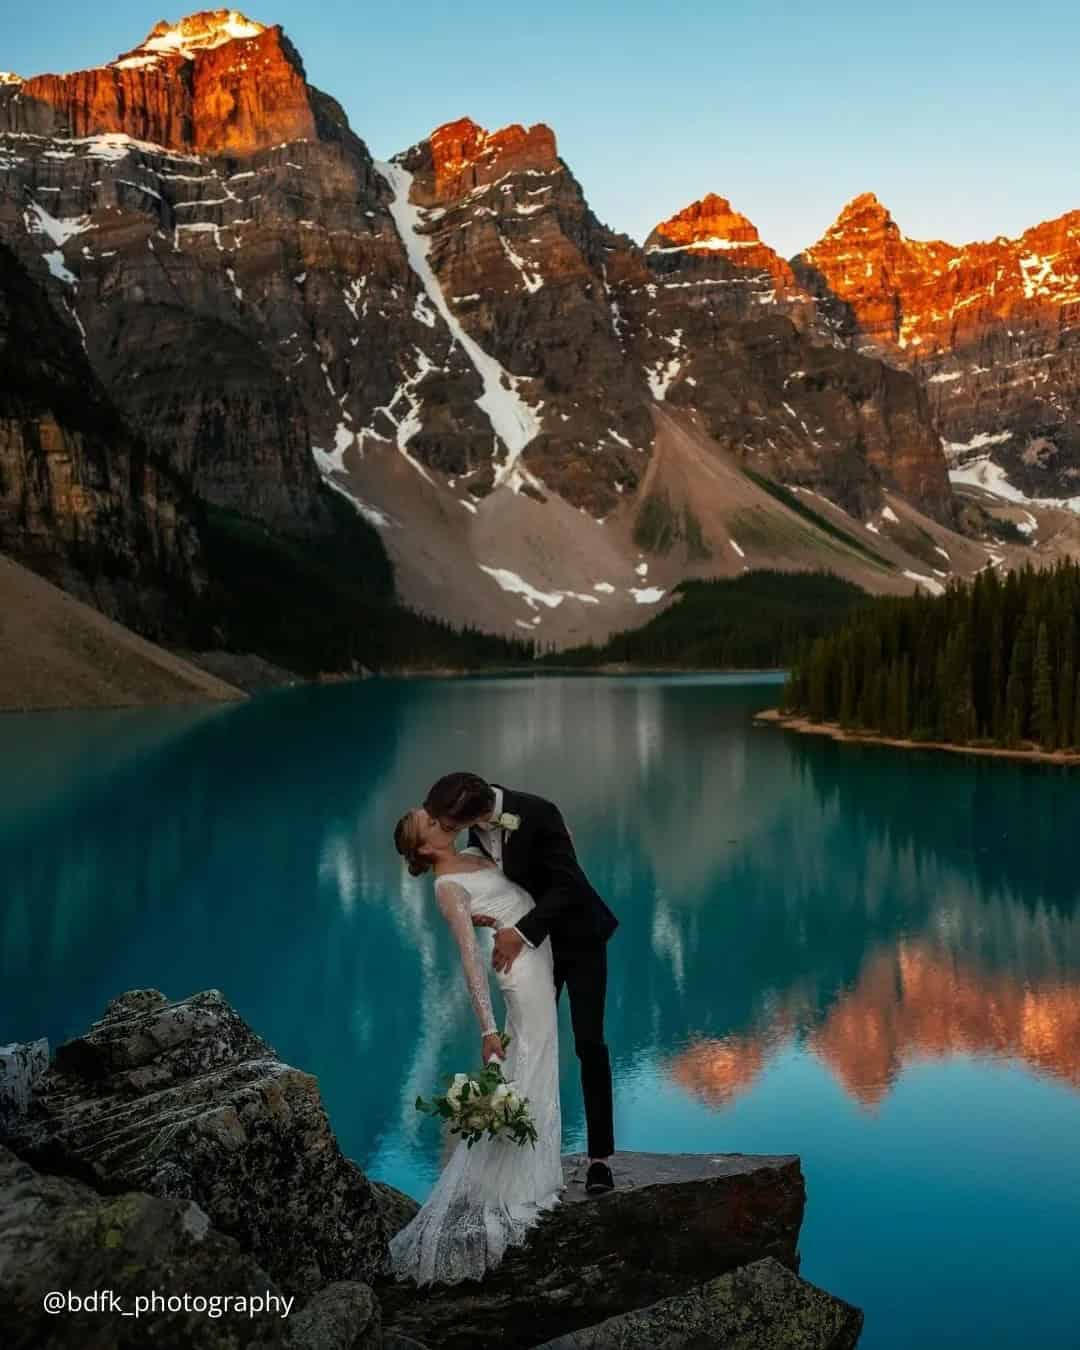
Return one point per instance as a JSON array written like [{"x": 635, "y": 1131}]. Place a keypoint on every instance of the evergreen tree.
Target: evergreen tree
[
  {"x": 1076, "y": 711},
  {"x": 847, "y": 698},
  {"x": 1044, "y": 723},
  {"x": 1066, "y": 684},
  {"x": 1017, "y": 695},
  {"x": 905, "y": 697},
  {"x": 1000, "y": 657}
]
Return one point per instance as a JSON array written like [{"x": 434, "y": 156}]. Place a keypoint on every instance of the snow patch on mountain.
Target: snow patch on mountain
[
  {"x": 510, "y": 581},
  {"x": 662, "y": 372},
  {"x": 533, "y": 280},
  {"x": 931, "y": 583},
  {"x": 954, "y": 449},
  {"x": 984, "y": 473},
  {"x": 714, "y": 242},
  {"x": 58, "y": 230},
  {"x": 197, "y": 33},
  {"x": 513, "y": 421}
]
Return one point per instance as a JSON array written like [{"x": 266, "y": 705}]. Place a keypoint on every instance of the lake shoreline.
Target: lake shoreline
[
  {"x": 608, "y": 668},
  {"x": 436, "y": 673},
  {"x": 805, "y": 727}
]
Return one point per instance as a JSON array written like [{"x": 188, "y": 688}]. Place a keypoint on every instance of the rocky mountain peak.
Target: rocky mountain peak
[
  {"x": 708, "y": 223},
  {"x": 711, "y": 229},
  {"x": 864, "y": 213},
  {"x": 466, "y": 156},
  {"x": 214, "y": 82},
  {"x": 199, "y": 32},
  {"x": 961, "y": 315}
]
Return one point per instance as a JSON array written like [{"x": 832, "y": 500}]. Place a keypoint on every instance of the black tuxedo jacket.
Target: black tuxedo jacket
[{"x": 540, "y": 857}]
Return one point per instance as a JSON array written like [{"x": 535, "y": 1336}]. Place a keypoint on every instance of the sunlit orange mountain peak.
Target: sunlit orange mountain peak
[{"x": 466, "y": 155}]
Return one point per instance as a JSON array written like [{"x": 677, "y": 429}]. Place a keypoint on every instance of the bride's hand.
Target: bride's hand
[{"x": 491, "y": 1047}]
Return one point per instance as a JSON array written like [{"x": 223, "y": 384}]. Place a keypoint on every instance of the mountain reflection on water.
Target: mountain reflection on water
[{"x": 867, "y": 957}]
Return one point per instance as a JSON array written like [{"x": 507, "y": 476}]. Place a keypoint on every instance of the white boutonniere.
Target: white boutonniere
[{"x": 507, "y": 821}]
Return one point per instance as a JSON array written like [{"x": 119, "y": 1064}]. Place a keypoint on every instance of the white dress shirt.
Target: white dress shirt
[{"x": 492, "y": 837}]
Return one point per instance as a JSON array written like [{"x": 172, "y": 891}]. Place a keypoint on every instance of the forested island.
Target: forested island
[{"x": 993, "y": 665}]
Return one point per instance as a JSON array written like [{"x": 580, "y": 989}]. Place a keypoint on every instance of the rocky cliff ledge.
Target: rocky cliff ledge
[{"x": 170, "y": 1150}]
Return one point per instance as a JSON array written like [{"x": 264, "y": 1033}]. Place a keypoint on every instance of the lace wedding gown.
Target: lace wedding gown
[{"x": 489, "y": 1196}]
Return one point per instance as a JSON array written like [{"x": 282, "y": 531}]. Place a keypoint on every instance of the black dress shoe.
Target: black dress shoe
[{"x": 598, "y": 1179}]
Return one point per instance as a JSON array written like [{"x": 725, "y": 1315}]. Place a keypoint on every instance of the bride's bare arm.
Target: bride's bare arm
[{"x": 453, "y": 901}]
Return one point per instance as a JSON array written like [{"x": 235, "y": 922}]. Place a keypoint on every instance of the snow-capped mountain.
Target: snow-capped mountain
[
  {"x": 992, "y": 329},
  {"x": 548, "y": 425}
]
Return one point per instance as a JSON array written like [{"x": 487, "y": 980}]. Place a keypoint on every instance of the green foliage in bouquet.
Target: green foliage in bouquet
[{"x": 483, "y": 1103}]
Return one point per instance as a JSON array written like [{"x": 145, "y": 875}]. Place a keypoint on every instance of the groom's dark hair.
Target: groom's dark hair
[{"x": 460, "y": 797}]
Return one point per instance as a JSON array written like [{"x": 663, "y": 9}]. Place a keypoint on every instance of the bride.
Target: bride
[{"x": 489, "y": 1196}]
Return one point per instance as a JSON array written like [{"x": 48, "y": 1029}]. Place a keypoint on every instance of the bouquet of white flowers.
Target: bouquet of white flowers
[{"x": 484, "y": 1103}]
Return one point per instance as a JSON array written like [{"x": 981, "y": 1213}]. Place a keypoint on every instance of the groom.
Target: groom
[{"x": 528, "y": 838}]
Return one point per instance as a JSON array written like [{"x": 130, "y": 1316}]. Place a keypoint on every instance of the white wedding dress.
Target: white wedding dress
[{"x": 489, "y": 1196}]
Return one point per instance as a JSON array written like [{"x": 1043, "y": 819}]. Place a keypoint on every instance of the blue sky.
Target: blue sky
[{"x": 961, "y": 117}]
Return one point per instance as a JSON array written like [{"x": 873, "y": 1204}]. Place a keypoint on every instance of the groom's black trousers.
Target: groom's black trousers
[{"x": 583, "y": 970}]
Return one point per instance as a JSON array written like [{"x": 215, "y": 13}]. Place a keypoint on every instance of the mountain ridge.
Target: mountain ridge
[{"x": 449, "y": 339}]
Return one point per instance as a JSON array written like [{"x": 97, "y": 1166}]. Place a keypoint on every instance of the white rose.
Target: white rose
[
  {"x": 500, "y": 1094},
  {"x": 453, "y": 1094}
]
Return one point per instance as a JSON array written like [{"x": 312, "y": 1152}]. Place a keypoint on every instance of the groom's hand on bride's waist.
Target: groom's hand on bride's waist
[{"x": 509, "y": 945}]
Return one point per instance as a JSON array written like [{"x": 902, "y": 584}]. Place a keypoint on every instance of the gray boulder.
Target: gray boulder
[
  {"x": 762, "y": 1306},
  {"x": 183, "y": 1100},
  {"x": 674, "y": 1222},
  {"x": 343, "y": 1316},
  {"x": 60, "y": 1236},
  {"x": 21, "y": 1065}
]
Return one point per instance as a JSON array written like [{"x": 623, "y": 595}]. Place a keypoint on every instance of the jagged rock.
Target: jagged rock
[
  {"x": 21, "y": 1065},
  {"x": 214, "y": 82},
  {"x": 184, "y": 1100},
  {"x": 81, "y": 500},
  {"x": 762, "y": 1306},
  {"x": 58, "y": 1234},
  {"x": 238, "y": 285},
  {"x": 722, "y": 249},
  {"x": 343, "y": 1316},
  {"x": 743, "y": 345},
  {"x": 525, "y": 267},
  {"x": 986, "y": 326},
  {"x": 396, "y": 1207},
  {"x": 466, "y": 156},
  {"x": 673, "y": 1222}
]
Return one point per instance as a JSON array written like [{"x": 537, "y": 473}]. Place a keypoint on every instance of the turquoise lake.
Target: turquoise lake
[{"x": 866, "y": 957}]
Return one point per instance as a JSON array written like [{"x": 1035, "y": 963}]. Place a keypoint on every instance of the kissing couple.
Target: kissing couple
[{"x": 519, "y": 875}]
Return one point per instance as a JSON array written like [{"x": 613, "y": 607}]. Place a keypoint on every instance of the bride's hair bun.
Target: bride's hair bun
[{"x": 408, "y": 843}]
